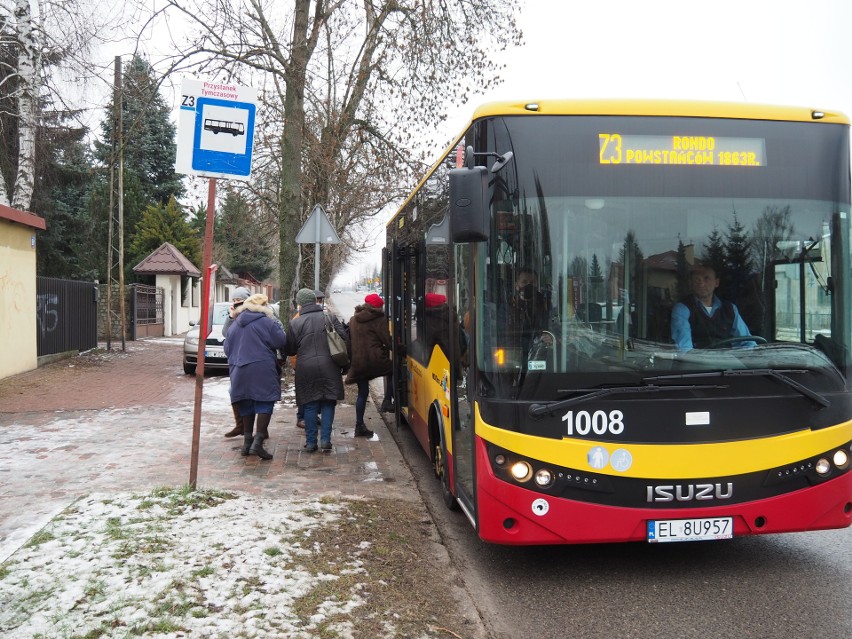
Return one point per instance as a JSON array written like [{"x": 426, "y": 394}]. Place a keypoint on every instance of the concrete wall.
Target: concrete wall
[{"x": 18, "y": 321}]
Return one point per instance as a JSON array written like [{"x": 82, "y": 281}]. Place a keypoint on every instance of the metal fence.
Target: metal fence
[{"x": 67, "y": 314}]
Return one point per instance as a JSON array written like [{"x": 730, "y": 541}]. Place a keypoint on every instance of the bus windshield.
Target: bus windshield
[{"x": 627, "y": 249}]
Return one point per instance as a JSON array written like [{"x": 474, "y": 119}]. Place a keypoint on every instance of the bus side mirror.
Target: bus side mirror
[{"x": 469, "y": 209}]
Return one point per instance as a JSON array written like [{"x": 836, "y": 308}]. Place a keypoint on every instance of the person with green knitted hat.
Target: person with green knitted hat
[{"x": 306, "y": 296}]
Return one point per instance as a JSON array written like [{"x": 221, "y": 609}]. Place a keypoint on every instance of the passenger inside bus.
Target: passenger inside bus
[
  {"x": 437, "y": 322},
  {"x": 703, "y": 320}
]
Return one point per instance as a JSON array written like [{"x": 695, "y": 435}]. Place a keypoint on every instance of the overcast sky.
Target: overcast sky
[
  {"x": 772, "y": 51},
  {"x": 760, "y": 51}
]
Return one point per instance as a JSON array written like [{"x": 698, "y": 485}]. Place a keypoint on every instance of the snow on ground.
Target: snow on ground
[{"x": 173, "y": 563}]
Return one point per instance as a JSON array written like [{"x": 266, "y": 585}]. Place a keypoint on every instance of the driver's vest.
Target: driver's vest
[{"x": 708, "y": 329}]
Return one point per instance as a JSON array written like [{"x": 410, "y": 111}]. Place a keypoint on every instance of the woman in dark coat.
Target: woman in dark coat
[
  {"x": 250, "y": 345},
  {"x": 319, "y": 381},
  {"x": 371, "y": 344}
]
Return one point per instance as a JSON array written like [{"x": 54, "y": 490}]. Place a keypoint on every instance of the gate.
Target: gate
[
  {"x": 146, "y": 311},
  {"x": 67, "y": 314}
]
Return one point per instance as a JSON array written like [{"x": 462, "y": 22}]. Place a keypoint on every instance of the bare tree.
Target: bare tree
[
  {"x": 350, "y": 88},
  {"x": 45, "y": 47}
]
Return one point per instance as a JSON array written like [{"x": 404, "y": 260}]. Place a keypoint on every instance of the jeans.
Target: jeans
[
  {"x": 252, "y": 407},
  {"x": 326, "y": 410},
  {"x": 361, "y": 402}
]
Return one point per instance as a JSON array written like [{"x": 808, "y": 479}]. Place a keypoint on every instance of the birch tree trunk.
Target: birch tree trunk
[{"x": 29, "y": 65}]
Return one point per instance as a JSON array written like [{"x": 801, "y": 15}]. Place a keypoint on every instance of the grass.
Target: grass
[{"x": 372, "y": 573}]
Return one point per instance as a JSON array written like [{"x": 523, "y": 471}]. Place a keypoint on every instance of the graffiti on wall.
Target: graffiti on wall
[{"x": 47, "y": 313}]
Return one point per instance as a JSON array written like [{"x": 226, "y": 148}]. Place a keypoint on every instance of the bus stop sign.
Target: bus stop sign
[{"x": 215, "y": 129}]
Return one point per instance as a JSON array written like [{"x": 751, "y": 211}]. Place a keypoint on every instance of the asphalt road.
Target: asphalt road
[{"x": 778, "y": 586}]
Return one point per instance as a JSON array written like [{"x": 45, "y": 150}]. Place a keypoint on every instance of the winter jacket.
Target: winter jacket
[
  {"x": 318, "y": 378},
  {"x": 371, "y": 344},
  {"x": 250, "y": 346}
]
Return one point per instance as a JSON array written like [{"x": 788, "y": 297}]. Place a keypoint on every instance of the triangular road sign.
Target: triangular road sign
[{"x": 317, "y": 229}]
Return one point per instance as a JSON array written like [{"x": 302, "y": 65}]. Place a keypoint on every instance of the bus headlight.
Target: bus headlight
[
  {"x": 543, "y": 478},
  {"x": 823, "y": 466},
  {"x": 521, "y": 471},
  {"x": 841, "y": 459}
]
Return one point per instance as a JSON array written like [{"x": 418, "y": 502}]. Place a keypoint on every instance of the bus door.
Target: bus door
[
  {"x": 402, "y": 269},
  {"x": 462, "y": 419}
]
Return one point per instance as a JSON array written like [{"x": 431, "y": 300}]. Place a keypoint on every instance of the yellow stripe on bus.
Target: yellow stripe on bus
[{"x": 674, "y": 461}]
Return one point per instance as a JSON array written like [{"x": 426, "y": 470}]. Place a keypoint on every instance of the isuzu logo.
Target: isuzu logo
[{"x": 689, "y": 492}]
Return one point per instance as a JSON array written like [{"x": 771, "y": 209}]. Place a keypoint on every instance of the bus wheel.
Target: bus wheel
[{"x": 440, "y": 466}]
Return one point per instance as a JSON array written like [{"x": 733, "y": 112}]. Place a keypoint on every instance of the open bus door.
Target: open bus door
[{"x": 396, "y": 261}]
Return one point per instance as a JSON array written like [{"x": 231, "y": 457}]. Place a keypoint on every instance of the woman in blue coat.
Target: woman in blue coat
[{"x": 251, "y": 344}]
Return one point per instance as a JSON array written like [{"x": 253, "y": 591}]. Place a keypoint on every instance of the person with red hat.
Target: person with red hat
[
  {"x": 371, "y": 346},
  {"x": 434, "y": 300},
  {"x": 437, "y": 323}
]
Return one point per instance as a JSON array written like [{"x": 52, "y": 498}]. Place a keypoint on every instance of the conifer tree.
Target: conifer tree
[
  {"x": 164, "y": 224},
  {"x": 596, "y": 278},
  {"x": 738, "y": 258},
  {"x": 714, "y": 253},
  {"x": 148, "y": 140},
  {"x": 683, "y": 288},
  {"x": 245, "y": 246}
]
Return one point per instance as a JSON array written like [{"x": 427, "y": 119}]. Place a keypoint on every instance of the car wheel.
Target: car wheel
[{"x": 189, "y": 369}]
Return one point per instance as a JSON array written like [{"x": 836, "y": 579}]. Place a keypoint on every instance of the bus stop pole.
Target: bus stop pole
[{"x": 204, "y": 330}]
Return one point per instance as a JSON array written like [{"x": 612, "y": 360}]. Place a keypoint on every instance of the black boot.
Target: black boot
[
  {"x": 248, "y": 434},
  {"x": 263, "y": 420},
  {"x": 387, "y": 406},
  {"x": 362, "y": 431},
  {"x": 238, "y": 429},
  {"x": 257, "y": 448}
]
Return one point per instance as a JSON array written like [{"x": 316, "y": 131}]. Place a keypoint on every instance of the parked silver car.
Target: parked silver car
[{"x": 214, "y": 350}]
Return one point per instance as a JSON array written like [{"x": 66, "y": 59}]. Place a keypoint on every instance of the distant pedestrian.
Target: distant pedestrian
[
  {"x": 319, "y": 381},
  {"x": 251, "y": 345},
  {"x": 371, "y": 345}
]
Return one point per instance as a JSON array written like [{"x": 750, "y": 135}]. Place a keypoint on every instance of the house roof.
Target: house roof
[
  {"x": 666, "y": 261},
  {"x": 166, "y": 260},
  {"x": 225, "y": 276},
  {"x": 22, "y": 217}
]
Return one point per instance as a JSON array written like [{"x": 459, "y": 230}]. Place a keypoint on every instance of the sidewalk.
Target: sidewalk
[{"x": 122, "y": 421}]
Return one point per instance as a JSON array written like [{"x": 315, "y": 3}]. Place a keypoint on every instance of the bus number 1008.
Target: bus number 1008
[{"x": 600, "y": 422}]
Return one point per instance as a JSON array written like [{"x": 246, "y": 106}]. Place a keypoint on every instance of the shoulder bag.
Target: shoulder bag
[{"x": 336, "y": 344}]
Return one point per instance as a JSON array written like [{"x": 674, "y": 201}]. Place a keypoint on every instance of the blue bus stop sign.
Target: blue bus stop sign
[
  {"x": 223, "y": 143},
  {"x": 216, "y": 130}
]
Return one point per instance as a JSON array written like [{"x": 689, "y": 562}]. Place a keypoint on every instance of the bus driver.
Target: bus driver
[{"x": 701, "y": 320}]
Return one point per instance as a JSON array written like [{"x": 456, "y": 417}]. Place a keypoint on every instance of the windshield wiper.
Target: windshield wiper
[
  {"x": 779, "y": 374},
  {"x": 537, "y": 410}
]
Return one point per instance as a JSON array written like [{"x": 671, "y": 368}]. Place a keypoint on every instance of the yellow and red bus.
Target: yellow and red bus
[{"x": 537, "y": 279}]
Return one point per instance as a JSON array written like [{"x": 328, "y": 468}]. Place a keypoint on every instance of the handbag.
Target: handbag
[{"x": 336, "y": 344}]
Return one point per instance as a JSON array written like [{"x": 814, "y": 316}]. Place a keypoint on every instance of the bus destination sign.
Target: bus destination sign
[{"x": 616, "y": 148}]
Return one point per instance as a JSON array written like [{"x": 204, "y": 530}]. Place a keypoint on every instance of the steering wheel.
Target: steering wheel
[{"x": 737, "y": 340}]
